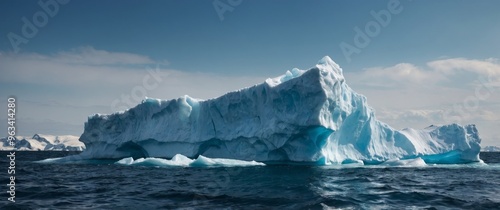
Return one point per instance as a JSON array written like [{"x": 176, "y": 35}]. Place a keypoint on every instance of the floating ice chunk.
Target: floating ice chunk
[
  {"x": 51, "y": 160},
  {"x": 204, "y": 161},
  {"x": 181, "y": 160},
  {"x": 126, "y": 161},
  {"x": 350, "y": 161},
  {"x": 417, "y": 162}
]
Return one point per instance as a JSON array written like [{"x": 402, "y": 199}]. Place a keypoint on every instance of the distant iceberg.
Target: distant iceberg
[
  {"x": 40, "y": 142},
  {"x": 490, "y": 149},
  {"x": 304, "y": 116}
]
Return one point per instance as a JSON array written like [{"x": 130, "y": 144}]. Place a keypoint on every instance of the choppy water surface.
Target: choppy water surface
[{"x": 104, "y": 185}]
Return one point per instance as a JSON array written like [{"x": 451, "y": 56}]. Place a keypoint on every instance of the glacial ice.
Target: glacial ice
[{"x": 305, "y": 116}]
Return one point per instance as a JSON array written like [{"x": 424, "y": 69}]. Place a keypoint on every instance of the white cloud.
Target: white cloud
[
  {"x": 444, "y": 73},
  {"x": 402, "y": 73},
  {"x": 85, "y": 55},
  {"x": 451, "y": 66},
  {"x": 89, "y": 56},
  {"x": 81, "y": 66}
]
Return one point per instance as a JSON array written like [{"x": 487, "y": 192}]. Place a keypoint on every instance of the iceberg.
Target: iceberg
[
  {"x": 181, "y": 160},
  {"x": 177, "y": 161},
  {"x": 304, "y": 117},
  {"x": 490, "y": 149},
  {"x": 41, "y": 142}
]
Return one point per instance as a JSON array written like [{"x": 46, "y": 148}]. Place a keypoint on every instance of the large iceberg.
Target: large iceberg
[{"x": 305, "y": 116}]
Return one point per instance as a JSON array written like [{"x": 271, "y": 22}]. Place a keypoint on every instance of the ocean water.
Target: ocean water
[{"x": 105, "y": 185}]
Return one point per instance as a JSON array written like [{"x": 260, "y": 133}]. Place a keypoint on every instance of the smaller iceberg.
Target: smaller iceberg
[
  {"x": 41, "y": 142},
  {"x": 181, "y": 160}
]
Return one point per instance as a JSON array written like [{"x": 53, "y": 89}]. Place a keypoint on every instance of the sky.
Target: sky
[{"x": 418, "y": 62}]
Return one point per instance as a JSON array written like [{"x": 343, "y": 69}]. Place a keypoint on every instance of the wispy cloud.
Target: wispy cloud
[
  {"x": 402, "y": 73},
  {"x": 452, "y": 66},
  {"x": 437, "y": 73},
  {"x": 89, "y": 56},
  {"x": 81, "y": 66}
]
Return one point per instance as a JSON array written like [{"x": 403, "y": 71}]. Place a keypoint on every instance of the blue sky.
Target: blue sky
[{"x": 92, "y": 52}]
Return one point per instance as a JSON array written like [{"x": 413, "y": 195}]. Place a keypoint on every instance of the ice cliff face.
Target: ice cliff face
[{"x": 309, "y": 116}]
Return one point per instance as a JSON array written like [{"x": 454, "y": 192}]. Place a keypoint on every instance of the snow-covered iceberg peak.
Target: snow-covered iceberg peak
[{"x": 309, "y": 116}]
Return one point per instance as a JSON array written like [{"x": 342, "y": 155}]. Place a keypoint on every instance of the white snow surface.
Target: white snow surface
[
  {"x": 42, "y": 142},
  {"x": 307, "y": 116}
]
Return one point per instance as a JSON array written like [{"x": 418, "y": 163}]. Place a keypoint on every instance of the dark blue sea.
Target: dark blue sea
[{"x": 104, "y": 185}]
